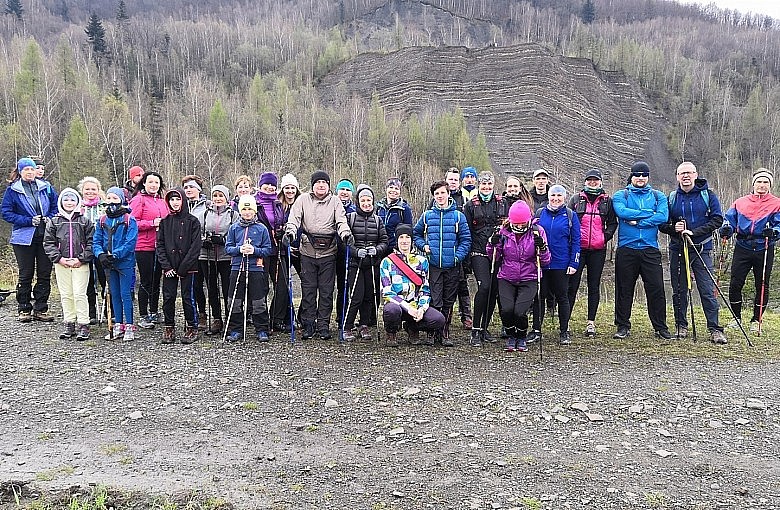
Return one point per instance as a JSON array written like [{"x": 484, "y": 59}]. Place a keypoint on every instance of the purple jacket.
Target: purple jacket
[{"x": 516, "y": 255}]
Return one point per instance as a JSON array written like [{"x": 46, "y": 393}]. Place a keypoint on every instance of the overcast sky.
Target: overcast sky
[{"x": 770, "y": 7}]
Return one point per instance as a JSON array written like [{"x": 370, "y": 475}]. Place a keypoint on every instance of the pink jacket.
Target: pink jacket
[{"x": 145, "y": 208}]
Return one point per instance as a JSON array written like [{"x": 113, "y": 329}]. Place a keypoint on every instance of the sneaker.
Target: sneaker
[
  {"x": 262, "y": 337},
  {"x": 25, "y": 316},
  {"x": 93, "y": 321},
  {"x": 43, "y": 316},
  {"x": 590, "y": 330},
  {"x": 146, "y": 322},
  {"x": 533, "y": 336},
  {"x": 446, "y": 341},
  {"x": 504, "y": 334},
  {"x": 154, "y": 317},
  {"x": 68, "y": 331},
  {"x": 83, "y": 333},
  {"x": 365, "y": 333},
  {"x": 565, "y": 338},
  {"x": 621, "y": 333},
  {"x": 467, "y": 323},
  {"x": 308, "y": 331},
  {"x": 234, "y": 336},
  {"x": 349, "y": 334},
  {"x": 476, "y": 338},
  {"x": 520, "y": 345},
  {"x": 663, "y": 333},
  {"x": 487, "y": 337},
  {"x": 216, "y": 327},
  {"x": 682, "y": 331},
  {"x": 734, "y": 324},
  {"x": 129, "y": 335},
  {"x": 718, "y": 337},
  {"x": 510, "y": 345},
  {"x": 754, "y": 326},
  {"x": 325, "y": 334},
  {"x": 116, "y": 332}
]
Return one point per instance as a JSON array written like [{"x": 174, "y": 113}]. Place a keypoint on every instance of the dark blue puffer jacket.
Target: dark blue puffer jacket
[
  {"x": 447, "y": 234},
  {"x": 394, "y": 214}
]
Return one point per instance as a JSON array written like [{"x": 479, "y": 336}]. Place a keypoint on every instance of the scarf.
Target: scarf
[{"x": 266, "y": 201}]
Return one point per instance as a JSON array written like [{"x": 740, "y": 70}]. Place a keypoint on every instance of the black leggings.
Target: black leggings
[
  {"x": 744, "y": 260},
  {"x": 516, "y": 302},
  {"x": 149, "y": 275},
  {"x": 594, "y": 260},
  {"x": 555, "y": 283},
  {"x": 487, "y": 291},
  {"x": 217, "y": 276}
]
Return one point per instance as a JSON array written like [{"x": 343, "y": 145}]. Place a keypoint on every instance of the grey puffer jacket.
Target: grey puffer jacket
[
  {"x": 215, "y": 221},
  {"x": 68, "y": 237}
]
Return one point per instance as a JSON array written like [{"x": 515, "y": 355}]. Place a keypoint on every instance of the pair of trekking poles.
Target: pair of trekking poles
[{"x": 348, "y": 296}]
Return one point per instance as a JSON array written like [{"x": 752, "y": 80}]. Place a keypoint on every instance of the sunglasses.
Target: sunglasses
[{"x": 640, "y": 174}]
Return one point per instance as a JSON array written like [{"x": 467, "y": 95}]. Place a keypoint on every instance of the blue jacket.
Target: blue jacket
[
  {"x": 19, "y": 211},
  {"x": 749, "y": 216},
  {"x": 645, "y": 206},
  {"x": 393, "y": 215},
  {"x": 255, "y": 233},
  {"x": 563, "y": 239},
  {"x": 700, "y": 219},
  {"x": 120, "y": 243},
  {"x": 446, "y": 233}
]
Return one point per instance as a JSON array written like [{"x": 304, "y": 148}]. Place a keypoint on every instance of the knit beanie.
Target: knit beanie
[
  {"x": 468, "y": 171},
  {"x": 24, "y": 163},
  {"x": 319, "y": 175},
  {"x": 518, "y": 213},
  {"x": 393, "y": 181},
  {"x": 114, "y": 190},
  {"x": 289, "y": 180},
  {"x": 268, "y": 178},
  {"x": 345, "y": 184},
  {"x": 403, "y": 228},
  {"x": 365, "y": 190},
  {"x": 486, "y": 177},
  {"x": 135, "y": 171},
  {"x": 247, "y": 201},
  {"x": 222, "y": 189},
  {"x": 640, "y": 167},
  {"x": 763, "y": 172}
]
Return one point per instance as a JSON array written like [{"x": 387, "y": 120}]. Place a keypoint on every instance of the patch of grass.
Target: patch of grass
[
  {"x": 312, "y": 428},
  {"x": 44, "y": 436},
  {"x": 250, "y": 406},
  {"x": 126, "y": 460},
  {"x": 55, "y": 473},
  {"x": 531, "y": 503},
  {"x": 655, "y": 499},
  {"x": 113, "y": 449}
]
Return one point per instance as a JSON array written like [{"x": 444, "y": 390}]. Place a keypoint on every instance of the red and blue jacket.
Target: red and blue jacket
[{"x": 748, "y": 216}]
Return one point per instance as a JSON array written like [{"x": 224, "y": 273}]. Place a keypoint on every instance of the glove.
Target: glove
[
  {"x": 36, "y": 220},
  {"x": 206, "y": 242},
  {"x": 349, "y": 239},
  {"x": 539, "y": 242},
  {"x": 217, "y": 240},
  {"x": 287, "y": 239},
  {"x": 171, "y": 273},
  {"x": 769, "y": 232},
  {"x": 362, "y": 252},
  {"x": 726, "y": 230},
  {"x": 106, "y": 260},
  {"x": 371, "y": 250},
  {"x": 495, "y": 238}
]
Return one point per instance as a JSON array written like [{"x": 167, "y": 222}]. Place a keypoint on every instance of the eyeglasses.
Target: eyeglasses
[
  {"x": 640, "y": 174},
  {"x": 687, "y": 172}
]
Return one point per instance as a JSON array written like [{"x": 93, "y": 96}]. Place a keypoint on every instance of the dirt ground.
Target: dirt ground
[{"x": 320, "y": 425}]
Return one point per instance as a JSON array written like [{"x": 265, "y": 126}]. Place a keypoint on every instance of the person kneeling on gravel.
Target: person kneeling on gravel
[{"x": 405, "y": 292}]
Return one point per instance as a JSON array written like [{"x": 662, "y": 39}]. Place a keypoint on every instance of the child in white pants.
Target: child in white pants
[{"x": 68, "y": 244}]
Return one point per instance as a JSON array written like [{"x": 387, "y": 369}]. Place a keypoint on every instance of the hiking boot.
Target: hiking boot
[
  {"x": 325, "y": 334},
  {"x": 487, "y": 337},
  {"x": 533, "y": 336},
  {"x": 234, "y": 337},
  {"x": 390, "y": 339},
  {"x": 413, "y": 335},
  {"x": 169, "y": 335},
  {"x": 565, "y": 338},
  {"x": 430, "y": 339},
  {"x": 83, "y": 333},
  {"x": 520, "y": 345},
  {"x": 504, "y": 334},
  {"x": 68, "y": 331},
  {"x": 682, "y": 331},
  {"x": 365, "y": 333},
  {"x": 43, "y": 316},
  {"x": 129, "y": 335},
  {"x": 92, "y": 320},
  {"x": 146, "y": 322},
  {"x": 590, "y": 330},
  {"x": 511, "y": 344},
  {"x": 308, "y": 331},
  {"x": 349, "y": 334},
  {"x": 216, "y": 327},
  {"x": 754, "y": 326},
  {"x": 190, "y": 335},
  {"x": 476, "y": 338},
  {"x": 446, "y": 341},
  {"x": 621, "y": 333},
  {"x": 116, "y": 332},
  {"x": 262, "y": 337},
  {"x": 664, "y": 334},
  {"x": 25, "y": 316},
  {"x": 467, "y": 323},
  {"x": 718, "y": 337}
]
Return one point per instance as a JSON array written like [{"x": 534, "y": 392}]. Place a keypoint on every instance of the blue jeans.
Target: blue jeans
[{"x": 704, "y": 284}]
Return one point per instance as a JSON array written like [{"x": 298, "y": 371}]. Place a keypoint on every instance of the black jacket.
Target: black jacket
[
  {"x": 484, "y": 218},
  {"x": 368, "y": 230},
  {"x": 179, "y": 239}
]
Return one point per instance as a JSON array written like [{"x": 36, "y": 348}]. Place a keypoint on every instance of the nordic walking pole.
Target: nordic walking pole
[
  {"x": 721, "y": 259},
  {"x": 762, "y": 301},
  {"x": 344, "y": 297},
  {"x": 348, "y": 297},
  {"x": 107, "y": 304},
  {"x": 539, "y": 297},
  {"x": 233, "y": 300},
  {"x": 246, "y": 286},
  {"x": 486, "y": 318},
  {"x": 377, "y": 296},
  {"x": 718, "y": 289},
  {"x": 290, "y": 292},
  {"x": 687, "y": 260}
]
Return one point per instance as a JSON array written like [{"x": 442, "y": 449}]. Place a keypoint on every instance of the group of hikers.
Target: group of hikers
[{"x": 227, "y": 254}]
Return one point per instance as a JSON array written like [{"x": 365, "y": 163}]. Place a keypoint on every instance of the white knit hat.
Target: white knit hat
[
  {"x": 763, "y": 172},
  {"x": 289, "y": 180}
]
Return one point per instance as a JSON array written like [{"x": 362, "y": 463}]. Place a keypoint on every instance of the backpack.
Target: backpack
[{"x": 603, "y": 204}]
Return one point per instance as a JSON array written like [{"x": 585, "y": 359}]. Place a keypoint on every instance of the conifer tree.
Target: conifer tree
[
  {"x": 14, "y": 7},
  {"x": 121, "y": 13},
  {"x": 96, "y": 35},
  {"x": 588, "y": 13}
]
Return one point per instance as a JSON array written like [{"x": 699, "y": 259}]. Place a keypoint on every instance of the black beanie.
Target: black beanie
[
  {"x": 319, "y": 175},
  {"x": 640, "y": 167},
  {"x": 403, "y": 228}
]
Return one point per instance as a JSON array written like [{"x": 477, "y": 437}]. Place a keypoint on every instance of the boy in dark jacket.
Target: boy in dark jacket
[
  {"x": 248, "y": 243},
  {"x": 178, "y": 247}
]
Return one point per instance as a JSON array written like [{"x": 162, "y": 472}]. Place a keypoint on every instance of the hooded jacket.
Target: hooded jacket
[
  {"x": 275, "y": 228},
  {"x": 516, "y": 255},
  {"x": 645, "y": 206},
  {"x": 446, "y": 233},
  {"x": 214, "y": 225},
  {"x": 398, "y": 288},
  {"x": 69, "y": 235},
  {"x": 254, "y": 233},
  {"x": 117, "y": 236},
  {"x": 563, "y": 237},
  {"x": 145, "y": 209},
  {"x": 392, "y": 215},
  {"x": 368, "y": 230},
  {"x": 700, "y": 218},
  {"x": 748, "y": 217},
  {"x": 18, "y": 210},
  {"x": 178, "y": 239},
  {"x": 483, "y": 219}
]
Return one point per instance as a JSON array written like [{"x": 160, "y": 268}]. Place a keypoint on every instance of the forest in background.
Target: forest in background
[{"x": 228, "y": 88}]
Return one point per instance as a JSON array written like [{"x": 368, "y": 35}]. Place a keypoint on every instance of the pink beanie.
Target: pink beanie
[{"x": 519, "y": 213}]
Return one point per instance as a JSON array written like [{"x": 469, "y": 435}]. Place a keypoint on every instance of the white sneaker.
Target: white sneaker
[
  {"x": 116, "y": 332},
  {"x": 590, "y": 329},
  {"x": 129, "y": 333},
  {"x": 754, "y": 326}
]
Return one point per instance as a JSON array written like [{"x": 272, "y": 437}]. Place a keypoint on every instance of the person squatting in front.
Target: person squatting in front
[
  {"x": 406, "y": 292},
  {"x": 563, "y": 234},
  {"x": 520, "y": 250},
  {"x": 178, "y": 247},
  {"x": 68, "y": 244},
  {"x": 114, "y": 246},
  {"x": 371, "y": 242},
  {"x": 755, "y": 219},
  {"x": 321, "y": 219},
  {"x": 484, "y": 213},
  {"x": 248, "y": 242},
  {"x": 694, "y": 214}
]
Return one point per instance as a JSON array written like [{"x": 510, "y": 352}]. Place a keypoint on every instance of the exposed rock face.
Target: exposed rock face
[{"x": 536, "y": 109}]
